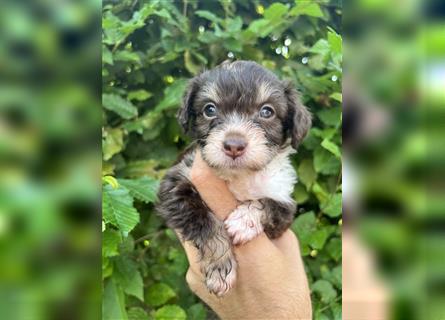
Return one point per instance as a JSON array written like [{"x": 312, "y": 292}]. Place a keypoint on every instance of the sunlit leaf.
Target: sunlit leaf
[
  {"x": 170, "y": 312},
  {"x": 117, "y": 208},
  {"x": 143, "y": 189},
  {"x": 119, "y": 105}
]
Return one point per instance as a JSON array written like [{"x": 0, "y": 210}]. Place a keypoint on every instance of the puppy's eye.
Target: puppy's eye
[
  {"x": 210, "y": 110},
  {"x": 266, "y": 112}
]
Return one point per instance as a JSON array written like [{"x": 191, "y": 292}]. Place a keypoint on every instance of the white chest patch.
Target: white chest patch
[{"x": 276, "y": 181}]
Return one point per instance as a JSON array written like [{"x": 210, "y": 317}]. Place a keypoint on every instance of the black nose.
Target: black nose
[{"x": 234, "y": 147}]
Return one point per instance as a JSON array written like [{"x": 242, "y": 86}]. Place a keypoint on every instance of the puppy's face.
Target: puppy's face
[{"x": 242, "y": 115}]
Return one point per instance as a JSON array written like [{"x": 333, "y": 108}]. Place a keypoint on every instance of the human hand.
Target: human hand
[{"x": 271, "y": 282}]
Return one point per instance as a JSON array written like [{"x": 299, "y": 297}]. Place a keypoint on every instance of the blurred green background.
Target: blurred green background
[
  {"x": 393, "y": 147},
  {"x": 50, "y": 115},
  {"x": 150, "y": 49}
]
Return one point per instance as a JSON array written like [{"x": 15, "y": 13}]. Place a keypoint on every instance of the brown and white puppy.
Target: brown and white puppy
[{"x": 246, "y": 123}]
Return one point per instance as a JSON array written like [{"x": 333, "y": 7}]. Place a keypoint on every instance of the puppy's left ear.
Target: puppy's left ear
[
  {"x": 300, "y": 118},
  {"x": 186, "y": 114}
]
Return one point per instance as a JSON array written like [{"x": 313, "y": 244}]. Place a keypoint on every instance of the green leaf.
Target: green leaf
[
  {"x": 333, "y": 207},
  {"x": 307, "y": 7},
  {"x": 318, "y": 238},
  {"x": 170, "y": 312},
  {"x": 119, "y": 105},
  {"x": 325, "y": 162},
  {"x": 330, "y": 116},
  {"x": 137, "y": 313},
  {"x": 300, "y": 194},
  {"x": 275, "y": 12},
  {"x": 107, "y": 56},
  {"x": 110, "y": 243},
  {"x": 117, "y": 208},
  {"x": 337, "y": 96},
  {"x": 127, "y": 56},
  {"x": 332, "y": 147},
  {"x": 159, "y": 294},
  {"x": 113, "y": 302},
  {"x": 139, "y": 95},
  {"x": 335, "y": 41},
  {"x": 306, "y": 173},
  {"x": 334, "y": 248},
  {"x": 197, "y": 312},
  {"x": 325, "y": 290},
  {"x": 143, "y": 189},
  {"x": 112, "y": 143},
  {"x": 172, "y": 95},
  {"x": 208, "y": 15},
  {"x": 321, "y": 47},
  {"x": 128, "y": 276}
]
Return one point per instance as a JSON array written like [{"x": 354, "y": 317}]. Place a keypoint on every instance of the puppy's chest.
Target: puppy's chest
[{"x": 275, "y": 181}]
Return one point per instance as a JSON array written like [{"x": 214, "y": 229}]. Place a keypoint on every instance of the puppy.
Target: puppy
[{"x": 246, "y": 123}]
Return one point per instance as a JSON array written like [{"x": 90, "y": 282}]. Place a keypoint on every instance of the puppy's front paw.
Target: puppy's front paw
[
  {"x": 244, "y": 223},
  {"x": 220, "y": 275}
]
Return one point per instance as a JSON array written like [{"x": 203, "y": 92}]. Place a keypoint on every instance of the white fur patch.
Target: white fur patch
[
  {"x": 275, "y": 181},
  {"x": 244, "y": 223}
]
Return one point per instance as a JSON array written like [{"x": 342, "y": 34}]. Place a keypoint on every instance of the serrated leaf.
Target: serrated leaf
[
  {"x": 333, "y": 207},
  {"x": 325, "y": 290},
  {"x": 143, "y": 189},
  {"x": 331, "y": 147},
  {"x": 113, "y": 302},
  {"x": 110, "y": 243},
  {"x": 119, "y": 105},
  {"x": 117, "y": 207},
  {"x": 306, "y": 173},
  {"x": 170, "y": 312},
  {"x": 172, "y": 95},
  {"x": 137, "y": 313},
  {"x": 112, "y": 143},
  {"x": 139, "y": 95},
  {"x": 128, "y": 276},
  {"x": 159, "y": 294}
]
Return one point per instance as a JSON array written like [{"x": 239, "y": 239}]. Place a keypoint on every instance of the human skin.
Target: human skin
[{"x": 271, "y": 282}]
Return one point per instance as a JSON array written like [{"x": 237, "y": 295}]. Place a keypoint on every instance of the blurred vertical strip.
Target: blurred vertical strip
[
  {"x": 393, "y": 138},
  {"x": 50, "y": 159}
]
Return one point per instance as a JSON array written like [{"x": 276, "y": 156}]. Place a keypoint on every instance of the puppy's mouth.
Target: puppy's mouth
[{"x": 236, "y": 147}]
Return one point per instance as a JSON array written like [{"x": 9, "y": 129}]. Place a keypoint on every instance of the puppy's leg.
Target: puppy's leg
[
  {"x": 278, "y": 216},
  {"x": 183, "y": 209},
  {"x": 244, "y": 223}
]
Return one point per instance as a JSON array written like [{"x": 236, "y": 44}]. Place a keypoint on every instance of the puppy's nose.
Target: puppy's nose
[{"x": 234, "y": 147}]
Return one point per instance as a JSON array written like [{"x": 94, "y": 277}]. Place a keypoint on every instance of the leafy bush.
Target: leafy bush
[{"x": 150, "y": 49}]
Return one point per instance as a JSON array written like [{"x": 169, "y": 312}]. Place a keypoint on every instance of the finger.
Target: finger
[
  {"x": 288, "y": 244},
  {"x": 212, "y": 189}
]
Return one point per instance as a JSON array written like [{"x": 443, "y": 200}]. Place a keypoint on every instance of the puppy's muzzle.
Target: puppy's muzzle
[{"x": 234, "y": 146}]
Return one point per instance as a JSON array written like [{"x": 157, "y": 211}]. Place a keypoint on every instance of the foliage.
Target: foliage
[{"x": 150, "y": 49}]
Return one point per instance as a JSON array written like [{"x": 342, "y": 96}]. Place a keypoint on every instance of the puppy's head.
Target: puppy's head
[{"x": 242, "y": 115}]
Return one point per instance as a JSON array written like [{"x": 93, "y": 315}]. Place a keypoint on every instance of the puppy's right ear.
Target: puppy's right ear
[{"x": 186, "y": 114}]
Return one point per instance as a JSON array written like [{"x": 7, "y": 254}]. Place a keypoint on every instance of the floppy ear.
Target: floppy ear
[
  {"x": 186, "y": 114},
  {"x": 300, "y": 117}
]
